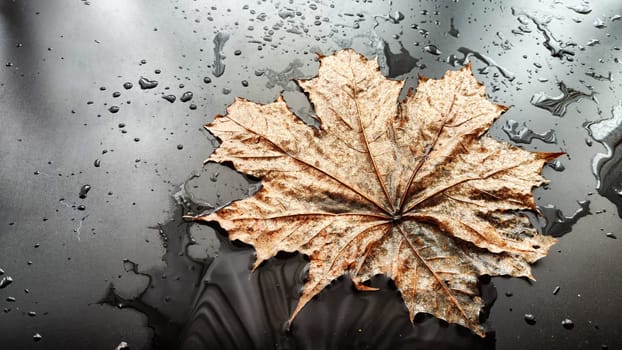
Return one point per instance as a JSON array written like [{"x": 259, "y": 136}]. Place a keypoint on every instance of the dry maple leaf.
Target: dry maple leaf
[{"x": 414, "y": 192}]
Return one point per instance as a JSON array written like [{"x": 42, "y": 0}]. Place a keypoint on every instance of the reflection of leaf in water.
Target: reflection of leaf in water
[{"x": 416, "y": 193}]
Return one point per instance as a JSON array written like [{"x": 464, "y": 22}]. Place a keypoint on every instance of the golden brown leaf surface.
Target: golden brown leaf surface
[{"x": 414, "y": 192}]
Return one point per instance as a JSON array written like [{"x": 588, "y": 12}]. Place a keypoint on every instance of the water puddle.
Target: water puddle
[
  {"x": 399, "y": 63},
  {"x": 607, "y": 167},
  {"x": 219, "y": 56},
  {"x": 557, "y": 48},
  {"x": 489, "y": 62},
  {"x": 522, "y": 134},
  {"x": 558, "y": 105},
  {"x": 556, "y": 223}
]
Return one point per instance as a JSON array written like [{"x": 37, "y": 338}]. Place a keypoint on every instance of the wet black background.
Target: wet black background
[{"x": 56, "y": 55}]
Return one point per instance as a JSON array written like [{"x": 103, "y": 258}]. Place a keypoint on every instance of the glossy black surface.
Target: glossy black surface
[{"x": 69, "y": 118}]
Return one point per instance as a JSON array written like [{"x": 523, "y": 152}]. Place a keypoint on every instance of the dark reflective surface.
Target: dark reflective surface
[{"x": 70, "y": 119}]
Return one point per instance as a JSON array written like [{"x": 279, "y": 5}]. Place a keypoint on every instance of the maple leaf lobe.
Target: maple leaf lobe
[{"x": 417, "y": 193}]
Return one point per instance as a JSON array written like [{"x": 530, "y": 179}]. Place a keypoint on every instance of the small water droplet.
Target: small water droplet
[
  {"x": 207, "y": 80},
  {"x": 5, "y": 282},
  {"x": 127, "y": 85},
  {"x": 396, "y": 17},
  {"x": 123, "y": 346},
  {"x": 611, "y": 235},
  {"x": 530, "y": 319},
  {"x": 432, "y": 49},
  {"x": 147, "y": 84},
  {"x": 582, "y": 9},
  {"x": 567, "y": 323},
  {"x": 186, "y": 96},
  {"x": 113, "y": 109},
  {"x": 169, "y": 98},
  {"x": 180, "y": 146},
  {"x": 37, "y": 337},
  {"x": 84, "y": 190},
  {"x": 599, "y": 23},
  {"x": 97, "y": 163}
]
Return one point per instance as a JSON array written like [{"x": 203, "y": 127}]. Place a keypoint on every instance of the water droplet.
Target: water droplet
[
  {"x": 610, "y": 235},
  {"x": 396, "y": 17},
  {"x": 180, "y": 146},
  {"x": 5, "y": 282},
  {"x": 207, "y": 80},
  {"x": 556, "y": 290},
  {"x": 37, "y": 337},
  {"x": 84, "y": 190},
  {"x": 147, "y": 84},
  {"x": 567, "y": 323},
  {"x": 286, "y": 13},
  {"x": 557, "y": 165},
  {"x": 432, "y": 49},
  {"x": 193, "y": 106},
  {"x": 530, "y": 319},
  {"x": 82, "y": 207},
  {"x": 187, "y": 96},
  {"x": 582, "y": 9},
  {"x": 116, "y": 94},
  {"x": 599, "y": 23},
  {"x": 600, "y": 77},
  {"x": 452, "y": 29},
  {"x": 169, "y": 98},
  {"x": 136, "y": 139},
  {"x": 226, "y": 91},
  {"x": 127, "y": 85},
  {"x": 593, "y": 42},
  {"x": 219, "y": 42},
  {"x": 97, "y": 163},
  {"x": 113, "y": 109}
]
